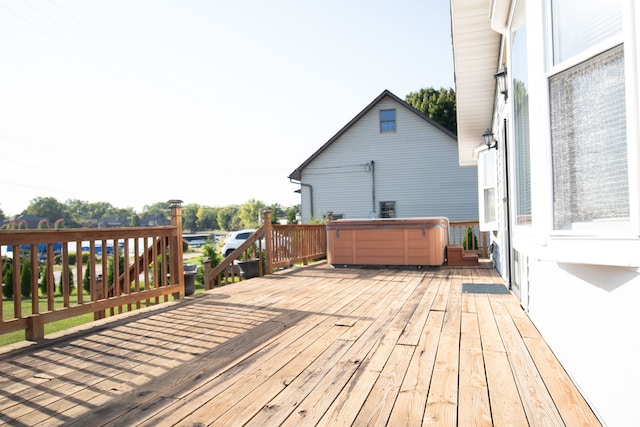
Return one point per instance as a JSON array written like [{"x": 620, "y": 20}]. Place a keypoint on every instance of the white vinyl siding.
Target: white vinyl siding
[{"x": 416, "y": 166}]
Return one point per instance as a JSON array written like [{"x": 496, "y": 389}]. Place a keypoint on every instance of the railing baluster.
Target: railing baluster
[{"x": 125, "y": 289}]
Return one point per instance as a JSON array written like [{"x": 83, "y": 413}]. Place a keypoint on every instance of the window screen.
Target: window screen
[{"x": 589, "y": 141}]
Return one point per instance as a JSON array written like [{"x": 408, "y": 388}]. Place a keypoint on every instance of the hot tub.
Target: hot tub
[{"x": 387, "y": 242}]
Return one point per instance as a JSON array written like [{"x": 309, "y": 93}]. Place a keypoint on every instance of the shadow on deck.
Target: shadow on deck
[{"x": 307, "y": 346}]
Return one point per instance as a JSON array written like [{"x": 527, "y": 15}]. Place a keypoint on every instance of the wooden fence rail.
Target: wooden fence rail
[
  {"x": 468, "y": 235},
  {"x": 271, "y": 247},
  {"x": 127, "y": 268}
]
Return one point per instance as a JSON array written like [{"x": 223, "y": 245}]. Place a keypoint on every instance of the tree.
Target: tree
[
  {"x": 190, "y": 217},
  {"x": 86, "y": 280},
  {"x": 46, "y": 207},
  {"x": 25, "y": 278},
  {"x": 71, "y": 283},
  {"x": 159, "y": 208},
  {"x": 439, "y": 105},
  {"x": 228, "y": 219},
  {"x": 207, "y": 218},
  {"x": 44, "y": 277},
  {"x": 111, "y": 272},
  {"x": 127, "y": 213},
  {"x": 2, "y": 216},
  {"x": 7, "y": 277},
  {"x": 292, "y": 214},
  {"x": 250, "y": 213},
  {"x": 276, "y": 212}
]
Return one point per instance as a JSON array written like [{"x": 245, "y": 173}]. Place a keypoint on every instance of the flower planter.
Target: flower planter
[
  {"x": 190, "y": 273},
  {"x": 249, "y": 268}
]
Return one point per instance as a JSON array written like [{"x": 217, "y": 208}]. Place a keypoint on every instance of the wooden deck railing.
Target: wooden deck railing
[
  {"x": 468, "y": 235},
  {"x": 150, "y": 256},
  {"x": 272, "y": 246}
]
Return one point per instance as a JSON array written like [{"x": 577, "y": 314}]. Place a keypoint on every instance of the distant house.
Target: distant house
[
  {"x": 154, "y": 220},
  {"x": 113, "y": 222},
  {"x": 558, "y": 182},
  {"x": 31, "y": 221},
  {"x": 389, "y": 161}
]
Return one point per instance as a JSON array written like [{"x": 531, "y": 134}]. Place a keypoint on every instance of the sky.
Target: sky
[{"x": 134, "y": 102}]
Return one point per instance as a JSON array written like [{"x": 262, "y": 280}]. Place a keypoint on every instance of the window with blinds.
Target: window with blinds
[{"x": 579, "y": 25}]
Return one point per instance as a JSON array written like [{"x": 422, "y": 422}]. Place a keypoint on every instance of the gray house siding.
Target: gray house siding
[{"x": 416, "y": 167}]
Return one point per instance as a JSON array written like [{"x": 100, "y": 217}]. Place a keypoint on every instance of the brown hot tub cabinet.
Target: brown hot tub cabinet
[{"x": 411, "y": 241}]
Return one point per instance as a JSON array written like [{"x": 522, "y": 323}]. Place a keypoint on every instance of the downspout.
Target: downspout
[
  {"x": 373, "y": 186},
  {"x": 310, "y": 193}
]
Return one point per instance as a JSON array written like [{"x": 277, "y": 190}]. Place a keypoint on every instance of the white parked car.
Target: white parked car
[{"x": 234, "y": 240}]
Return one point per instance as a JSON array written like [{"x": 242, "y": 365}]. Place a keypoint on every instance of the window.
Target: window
[
  {"x": 520, "y": 90},
  {"x": 487, "y": 174},
  {"x": 578, "y": 26},
  {"x": 387, "y": 120},
  {"x": 387, "y": 209},
  {"x": 588, "y": 120}
]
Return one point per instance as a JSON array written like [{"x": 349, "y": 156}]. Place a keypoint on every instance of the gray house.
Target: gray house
[{"x": 389, "y": 161}]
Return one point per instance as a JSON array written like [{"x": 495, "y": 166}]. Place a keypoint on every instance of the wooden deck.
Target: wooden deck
[{"x": 308, "y": 346}]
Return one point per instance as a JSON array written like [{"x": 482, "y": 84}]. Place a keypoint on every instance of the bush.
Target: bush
[
  {"x": 25, "y": 279},
  {"x": 43, "y": 280},
  {"x": 72, "y": 258},
  {"x": 7, "y": 278},
  {"x": 469, "y": 238},
  {"x": 71, "y": 284},
  {"x": 86, "y": 281},
  {"x": 110, "y": 272},
  {"x": 209, "y": 251}
]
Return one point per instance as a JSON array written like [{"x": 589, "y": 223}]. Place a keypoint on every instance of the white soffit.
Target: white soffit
[{"x": 475, "y": 53}]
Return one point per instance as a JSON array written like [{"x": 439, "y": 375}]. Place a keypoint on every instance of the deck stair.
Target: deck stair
[{"x": 457, "y": 257}]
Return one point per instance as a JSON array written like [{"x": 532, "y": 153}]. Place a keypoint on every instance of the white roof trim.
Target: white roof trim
[{"x": 476, "y": 49}]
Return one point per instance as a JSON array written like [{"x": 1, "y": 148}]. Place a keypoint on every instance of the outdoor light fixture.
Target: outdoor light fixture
[
  {"x": 489, "y": 140},
  {"x": 501, "y": 81}
]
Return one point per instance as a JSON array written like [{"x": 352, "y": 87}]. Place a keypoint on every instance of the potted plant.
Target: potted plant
[{"x": 249, "y": 266}]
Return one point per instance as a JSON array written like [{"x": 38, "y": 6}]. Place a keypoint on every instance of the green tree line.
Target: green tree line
[{"x": 78, "y": 213}]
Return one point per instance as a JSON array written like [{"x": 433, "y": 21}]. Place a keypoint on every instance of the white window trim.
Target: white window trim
[
  {"x": 605, "y": 246},
  {"x": 606, "y": 229},
  {"x": 482, "y": 159}
]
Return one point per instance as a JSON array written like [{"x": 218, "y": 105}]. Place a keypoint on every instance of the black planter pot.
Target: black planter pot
[
  {"x": 249, "y": 268},
  {"x": 189, "y": 283},
  {"x": 190, "y": 273}
]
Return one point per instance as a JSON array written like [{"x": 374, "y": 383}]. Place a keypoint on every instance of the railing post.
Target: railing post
[
  {"x": 207, "y": 272},
  {"x": 175, "y": 245},
  {"x": 268, "y": 240},
  {"x": 35, "y": 328}
]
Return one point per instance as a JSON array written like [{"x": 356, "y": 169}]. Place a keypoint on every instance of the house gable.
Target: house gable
[
  {"x": 296, "y": 174},
  {"x": 415, "y": 167}
]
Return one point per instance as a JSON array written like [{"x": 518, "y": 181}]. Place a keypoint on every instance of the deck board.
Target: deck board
[{"x": 306, "y": 346}]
